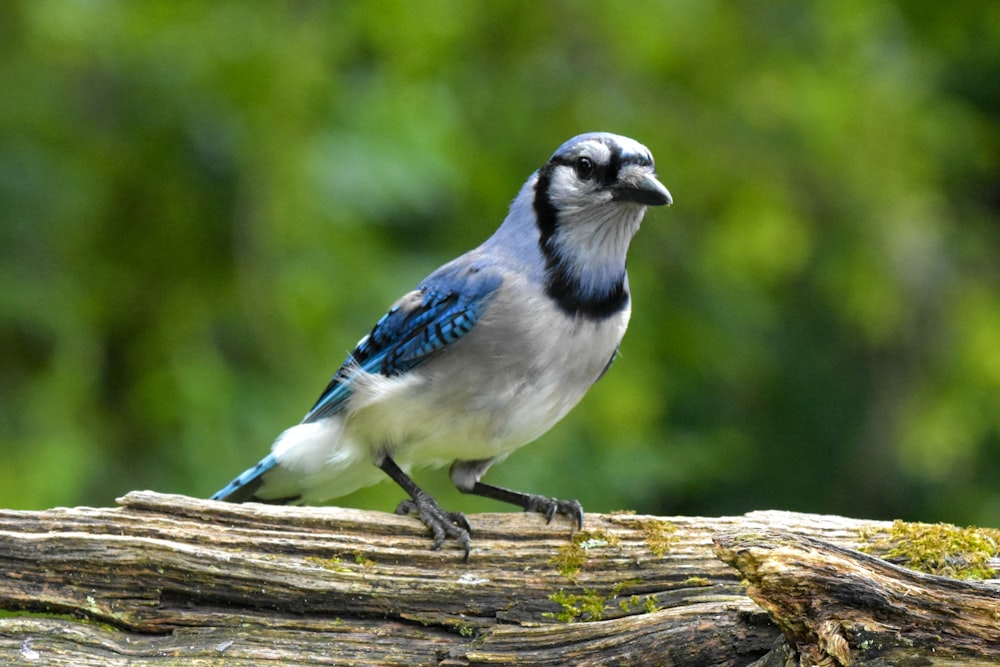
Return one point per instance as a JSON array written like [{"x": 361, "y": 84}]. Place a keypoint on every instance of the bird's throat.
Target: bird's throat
[{"x": 579, "y": 297}]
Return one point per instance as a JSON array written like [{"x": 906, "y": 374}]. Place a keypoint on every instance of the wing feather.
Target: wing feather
[{"x": 442, "y": 310}]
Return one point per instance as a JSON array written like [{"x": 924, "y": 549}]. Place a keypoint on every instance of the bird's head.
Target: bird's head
[
  {"x": 596, "y": 169},
  {"x": 589, "y": 199}
]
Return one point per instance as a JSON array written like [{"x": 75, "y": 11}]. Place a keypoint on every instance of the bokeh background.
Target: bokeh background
[{"x": 204, "y": 205}]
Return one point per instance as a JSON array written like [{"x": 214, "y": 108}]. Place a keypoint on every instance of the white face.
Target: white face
[
  {"x": 587, "y": 171},
  {"x": 595, "y": 225},
  {"x": 568, "y": 188}
]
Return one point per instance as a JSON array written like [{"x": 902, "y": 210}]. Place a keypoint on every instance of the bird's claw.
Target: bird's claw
[
  {"x": 442, "y": 524},
  {"x": 549, "y": 507}
]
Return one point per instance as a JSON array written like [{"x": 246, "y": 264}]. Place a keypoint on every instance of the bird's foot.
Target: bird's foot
[
  {"x": 549, "y": 507},
  {"x": 442, "y": 524},
  {"x": 531, "y": 502}
]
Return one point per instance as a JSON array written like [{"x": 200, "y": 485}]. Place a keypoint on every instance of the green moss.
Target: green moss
[
  {"x": 571, "y": 557},
  {"x": 697, "y": 581},
  {"x": 43, "y": 614},
  {"x": 646, "y": 604},
  {"x": 82, "y": 619},
  {"x": 658, "y": 535},
  {"x": 591, "y": 605},
  {"x": 942, "y": 549},
  {"x": 586, "y": 606},
  {"x": 363, "y": 560},
  {"x": 622, "y": 585},
  {"x": 333, "y": 563},
  {"x": 626, "y": 604}
]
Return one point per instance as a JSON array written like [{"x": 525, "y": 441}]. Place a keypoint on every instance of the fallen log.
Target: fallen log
[{"x": 170, "y": 580}]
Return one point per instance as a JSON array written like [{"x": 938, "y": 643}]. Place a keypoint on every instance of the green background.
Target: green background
[{"x": 204, "y": 205}]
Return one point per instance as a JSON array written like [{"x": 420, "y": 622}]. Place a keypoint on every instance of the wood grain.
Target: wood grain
[{"x": 170, "y": 580}]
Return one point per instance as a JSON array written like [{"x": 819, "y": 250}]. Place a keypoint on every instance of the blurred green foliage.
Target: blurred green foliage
[{"x": 204, "y": 205}]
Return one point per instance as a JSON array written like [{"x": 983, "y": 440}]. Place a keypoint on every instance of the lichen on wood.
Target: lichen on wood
[{"x": 167, "y": 580}]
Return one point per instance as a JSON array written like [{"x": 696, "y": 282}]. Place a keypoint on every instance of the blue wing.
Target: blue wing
[{"x": 443, "y": 308}]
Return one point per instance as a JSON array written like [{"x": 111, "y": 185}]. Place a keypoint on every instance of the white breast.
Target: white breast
[{"x": 508, "y": 381}]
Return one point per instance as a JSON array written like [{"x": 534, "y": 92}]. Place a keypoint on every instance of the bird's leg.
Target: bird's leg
[
  {"x": 442, "y": 524},
  {"x": 531, "y": 502},
  {"x": 466, "y": 474}
]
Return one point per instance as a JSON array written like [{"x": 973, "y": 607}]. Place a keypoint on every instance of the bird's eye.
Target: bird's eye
[{"x": 584, "y": 168}]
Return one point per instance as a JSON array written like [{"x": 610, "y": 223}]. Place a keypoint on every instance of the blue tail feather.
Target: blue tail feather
[{"x": 246, "y": 484}]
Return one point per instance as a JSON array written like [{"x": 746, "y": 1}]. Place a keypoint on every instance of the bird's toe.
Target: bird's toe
[
  {"x": 442, "y": 524},
  {"x": 550, "y": 507}
]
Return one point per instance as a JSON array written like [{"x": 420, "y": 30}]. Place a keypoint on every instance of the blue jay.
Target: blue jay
[{"x": 486, "y": 355}]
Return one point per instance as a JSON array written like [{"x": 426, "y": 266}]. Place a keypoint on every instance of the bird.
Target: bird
[{"x": 487, "y": 353}]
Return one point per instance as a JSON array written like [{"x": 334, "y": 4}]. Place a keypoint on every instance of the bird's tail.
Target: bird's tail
[
  {"x": 246, "y": 484},
  {"x": 309, "y": 463}
]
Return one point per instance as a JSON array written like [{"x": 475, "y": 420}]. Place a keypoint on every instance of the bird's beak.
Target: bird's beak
[{"x": 638, "y": 185}]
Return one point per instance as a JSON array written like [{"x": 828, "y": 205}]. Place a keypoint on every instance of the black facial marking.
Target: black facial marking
[
  {"x": 614, "y": 165},
  {"x": 561, "y": 285},
  {"x": 565, "y": 290},
  {"x": 545, "y": 211}
]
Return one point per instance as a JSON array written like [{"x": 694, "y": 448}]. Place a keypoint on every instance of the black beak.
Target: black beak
[{"x": 641, "y": 187}]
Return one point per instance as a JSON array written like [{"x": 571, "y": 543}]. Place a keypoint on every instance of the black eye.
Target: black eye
[{"x": 585, "y": 168}]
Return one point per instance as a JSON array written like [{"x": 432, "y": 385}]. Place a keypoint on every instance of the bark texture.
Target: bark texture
[{"x": 170, "y": 580}]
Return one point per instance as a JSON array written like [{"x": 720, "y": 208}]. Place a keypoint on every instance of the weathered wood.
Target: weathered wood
[
  {"x": 836, "y": 606},
  {"x": 170, "y": 580}
]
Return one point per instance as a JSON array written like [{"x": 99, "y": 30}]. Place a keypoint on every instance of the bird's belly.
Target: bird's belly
[
  {"x": 496, "y": 396},
  {"x": 424, "y": 427}
]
